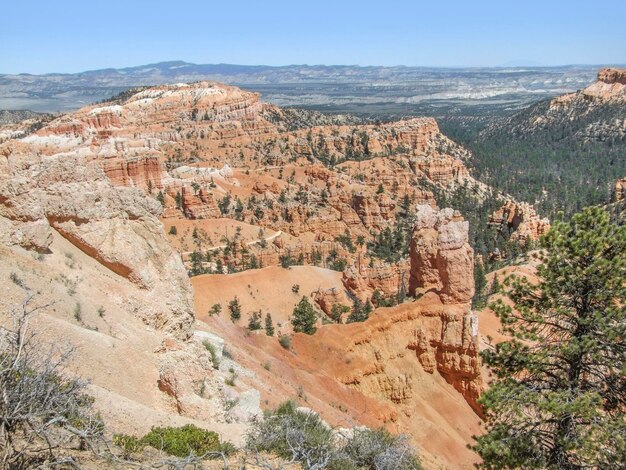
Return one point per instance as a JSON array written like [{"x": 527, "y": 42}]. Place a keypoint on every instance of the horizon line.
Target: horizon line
[{"x": 442, "y": 67}]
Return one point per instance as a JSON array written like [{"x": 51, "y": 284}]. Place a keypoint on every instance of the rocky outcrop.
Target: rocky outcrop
[
  {"x": 375, "y": 212},
  {"x": 610, "y": 86},
  {"x": 612, "y": 75},
  {"x": 117, "y": 226},
  {"x": 145, "y": 172},
  {"x": 326, "y": 298},
  {"x": 442, "y": 262},
  {"x": 440, "y": 328},
  {"x": 200, "y": 205},
  {"x": 441, "y": 169},
  {"x": 389, "y": 280},
  {"x": 522, "y": 220},
  {"x": 438, "y": 337},
  {"x": 441, "y": 258}
]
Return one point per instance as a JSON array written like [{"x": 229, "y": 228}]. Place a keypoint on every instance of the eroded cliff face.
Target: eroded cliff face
[
  {"x": 611, "y": 85},
  {"x": 78, "y": 243},
  {"x": 393, "y": 356},
  {"x": 442, "y": 262},
  {"x": 142, "y": 172},
  {"x": 118, "y": 227},
  {"x": 522, "y": 220},
  {"x": 398, "y": 343},
  {"x": 197, "y": 143}
]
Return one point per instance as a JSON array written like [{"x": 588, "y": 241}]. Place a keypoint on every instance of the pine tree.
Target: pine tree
[
  {"x": 359, "y": 311},
  {"x": 254, "y": 322},
  {"x": 238, "y": 209},
  {"x": 196, "y": 263},
  {"x": 367, "y": 309},
  {"x": 269, "y": 325},
  {"x": 377, "y": 298},
  {"x": 304, "y": 318},
  {"x": 224, "y": 203},
  {"x": 234, "y": 307},
  {"x": 337, "y": 312},
  {"x": 559, "y": 396},
  {"x": 161, "y": 198},
  {"x": 480, "y": 285},
  {"x": 495, "y": 285},
  {"x": 179, "y": 200}
]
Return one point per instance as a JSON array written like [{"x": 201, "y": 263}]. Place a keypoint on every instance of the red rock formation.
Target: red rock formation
[
  {"x": 319, "y": 172},
  {"x": 612, "y": 75},
  {"x": 263, "y": 188},
  {"x": 139, "y": 172},
  {"x": 442, "y": 169},
  {"x": 440, "y": 329},
  {"x": 442, "y": 262},
  {"x": 375, "y": 212},
  {"x": 325, "y": 299},
  {"x": 200, "y": 205},
  {"x": 521, "y": 218},
  {"x": 441, "y": 258},
  {"x": 389, "y": 280}
]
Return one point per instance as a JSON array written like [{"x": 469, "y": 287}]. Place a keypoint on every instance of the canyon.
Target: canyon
[{"x": 136, "y": 222}]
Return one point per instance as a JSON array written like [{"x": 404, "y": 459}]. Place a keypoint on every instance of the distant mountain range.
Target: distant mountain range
[{"x": 335, "y": 88}]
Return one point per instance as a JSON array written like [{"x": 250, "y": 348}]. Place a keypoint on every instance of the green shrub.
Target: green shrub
[
  {"x": 78, "y": 312},
  {"x": 378, "y": 449},
  {"x": 231, "y": 380},
  {"x": 215, "y": 309},
  {"x": 16, "y": 280},
  {"x": 213, "y": 352},
  {"x": 129, "y": 444},
  {"x": 180, "y": 442},
  {"x": 301, "y": 436},
  {"x": 285, "y": 341},
  {"x": 186, "y": 440},
  {"x": 292, "y": 434}
]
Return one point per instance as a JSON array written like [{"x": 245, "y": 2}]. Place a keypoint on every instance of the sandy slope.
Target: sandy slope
[
  {"x": 268, "y": 289},
  {"x": 115, "y": 351},
  {"x": 313, "y": 372}
]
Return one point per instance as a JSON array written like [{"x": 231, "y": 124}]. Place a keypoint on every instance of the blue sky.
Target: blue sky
[{"x": 72, "y": 36}]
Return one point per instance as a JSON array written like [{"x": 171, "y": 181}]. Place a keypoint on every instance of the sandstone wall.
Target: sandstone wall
[{"x": 117, "y": 226}]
